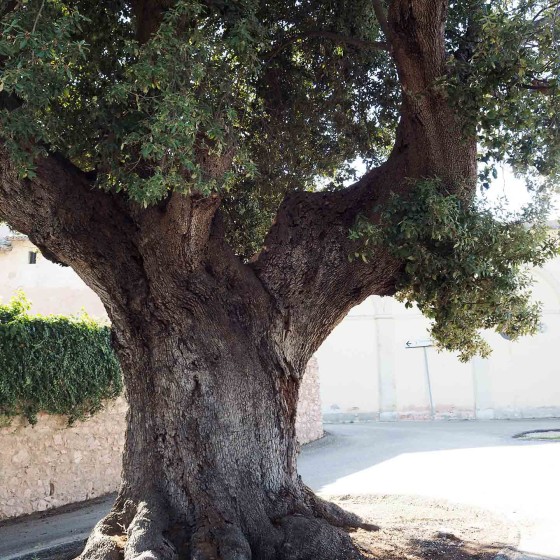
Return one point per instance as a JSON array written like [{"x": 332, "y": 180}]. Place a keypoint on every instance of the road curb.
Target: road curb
[{"x": 66, "y": 551}]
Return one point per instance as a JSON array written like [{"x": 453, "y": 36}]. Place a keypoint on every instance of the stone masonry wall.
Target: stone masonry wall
[
  {"x": 309, "y": 420},
  {"x": 51, "y": 464}
]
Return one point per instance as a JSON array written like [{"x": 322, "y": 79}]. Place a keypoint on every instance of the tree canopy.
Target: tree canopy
[{"x": 251, "y": 100}]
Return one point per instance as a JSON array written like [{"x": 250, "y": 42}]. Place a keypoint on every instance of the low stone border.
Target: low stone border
[{"x": 539, "y": 435}]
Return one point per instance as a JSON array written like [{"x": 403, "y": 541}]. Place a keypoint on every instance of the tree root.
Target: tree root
[
  {"x": 145, "y": 536},
  {"x": 134, "y": 532},
  {"x": 101, "y": 547},
  {"x": 220, "y": 543},
  {"x": 308, "y": 538},
  {"x": 335, "y": 515},
  {"x": 105, "y": 542},
  {"x": 142, "y": 532}
]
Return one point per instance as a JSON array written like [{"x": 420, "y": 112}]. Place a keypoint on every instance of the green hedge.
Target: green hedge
[{"x": 54, "y": 364}]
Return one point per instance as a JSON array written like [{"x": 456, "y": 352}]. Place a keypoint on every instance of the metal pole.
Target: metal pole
[{"x": 428, "y": 380}]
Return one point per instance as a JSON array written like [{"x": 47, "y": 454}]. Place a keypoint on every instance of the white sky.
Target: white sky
[
  {"x": 505, "y": 186},
  {"x": 515, "y": 192}
]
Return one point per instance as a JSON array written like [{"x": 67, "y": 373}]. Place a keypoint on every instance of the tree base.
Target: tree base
[{"x": 143, "y": 532}]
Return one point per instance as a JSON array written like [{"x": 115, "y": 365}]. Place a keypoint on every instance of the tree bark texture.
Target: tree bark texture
[
  {"x": 210, "y": 455},
  {"x": 213, "y": 350}
]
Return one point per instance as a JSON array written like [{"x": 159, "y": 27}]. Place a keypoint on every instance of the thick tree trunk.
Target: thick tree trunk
[{"x": 209, "y": 468}]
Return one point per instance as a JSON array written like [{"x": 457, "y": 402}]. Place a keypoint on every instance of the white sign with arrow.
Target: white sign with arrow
[{"x": 419, "y": 343}]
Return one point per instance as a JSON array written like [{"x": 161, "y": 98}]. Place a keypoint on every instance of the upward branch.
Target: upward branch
[
  {"x": 307, "y": 260},
  {"x": 307, "y": 265}
]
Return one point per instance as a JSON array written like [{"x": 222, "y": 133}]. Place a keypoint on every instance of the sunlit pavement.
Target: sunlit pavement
[{"x": 474, "y": 463}]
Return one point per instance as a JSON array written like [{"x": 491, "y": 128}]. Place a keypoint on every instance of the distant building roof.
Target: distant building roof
[
  {"x": 7, "y": 236},
  {"x": 5, "y": 245}
]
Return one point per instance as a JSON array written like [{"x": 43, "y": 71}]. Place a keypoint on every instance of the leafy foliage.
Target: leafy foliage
[
  {"x": 253, "y": 99},
  {"x": 55, "y": 364},
  {"x": 240, "y": 98},
  {"x": 504, "y": 76},
  {"x": 464, "y": 265}
]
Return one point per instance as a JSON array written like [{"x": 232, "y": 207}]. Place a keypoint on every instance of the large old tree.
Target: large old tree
[{"x": 191, "y": 161}]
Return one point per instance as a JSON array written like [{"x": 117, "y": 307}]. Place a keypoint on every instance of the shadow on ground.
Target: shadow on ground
[
  {"x": 443, "y": 547},
  {"x": 455, "y": 549},
  {"x": 416, "y": 528}
]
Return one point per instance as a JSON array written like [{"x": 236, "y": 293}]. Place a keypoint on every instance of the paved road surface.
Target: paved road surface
[{"x": 477, "y": 463}]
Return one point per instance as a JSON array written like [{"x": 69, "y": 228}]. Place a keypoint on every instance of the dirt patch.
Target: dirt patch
[{"x": 416, "y": 528}]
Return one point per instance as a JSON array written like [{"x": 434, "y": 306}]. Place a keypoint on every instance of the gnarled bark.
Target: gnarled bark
[{"x": 210, "y": 454}]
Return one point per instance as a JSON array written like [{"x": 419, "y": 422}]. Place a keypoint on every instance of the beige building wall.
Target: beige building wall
[
  {"x": 368, "y": 373},
  {"x": 51, "y": 288},
  {"x": 536, "y": 393},
  {"x": 348, "y": 364}
]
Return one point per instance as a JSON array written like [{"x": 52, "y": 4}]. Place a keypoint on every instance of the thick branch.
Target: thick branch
[
  {"x": 305, "y": 264},
  {"x": 471, "y": 36},
  {"x": 73, "y": 223},
  {"x": 381, "y": 16},
  {"x": 418, "y": 40},
  {"x": 430, "y": 125},
  {"x": 149, "y": 15},
  {"x": 129, "y": 255},
  {"x": 541, "y": 86},
  {"x": 175, "y": 233}
]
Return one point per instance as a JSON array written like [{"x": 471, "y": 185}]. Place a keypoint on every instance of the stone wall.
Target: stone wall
[
  {"x": 309, "y": 421},
  {"x": 51, "y": 464}
]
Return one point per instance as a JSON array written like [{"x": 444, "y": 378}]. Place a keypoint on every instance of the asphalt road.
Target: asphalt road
[
  {"x": 476, "y": 463},
  {"x": 35, "y": 533}
]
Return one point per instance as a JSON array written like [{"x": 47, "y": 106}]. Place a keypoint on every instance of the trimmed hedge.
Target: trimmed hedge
[{"x": 54, "y": 364}]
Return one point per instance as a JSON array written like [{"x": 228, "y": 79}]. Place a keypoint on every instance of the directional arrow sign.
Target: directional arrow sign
[{"x": 419, "y": 343}]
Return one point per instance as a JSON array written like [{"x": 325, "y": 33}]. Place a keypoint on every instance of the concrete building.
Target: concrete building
[
  {"x": 368, "y": 372},
  {"x": 50, "y": 287}
]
